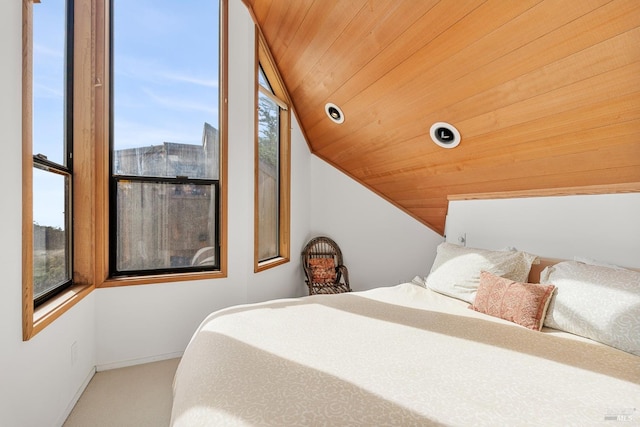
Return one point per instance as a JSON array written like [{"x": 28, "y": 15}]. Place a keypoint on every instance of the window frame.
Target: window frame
[
  {"x": 35, "y": 319},
  {"x": 64, "y": 169},
  {"x": 116, "y": 276},
  {"x": 90, "y": 230},
  {"x": 109, "y": 280},
  {"x": 264, "y": 61}
]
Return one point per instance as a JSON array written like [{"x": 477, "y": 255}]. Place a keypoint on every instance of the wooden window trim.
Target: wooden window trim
[
  {"x": 281, "y": 98},
  {"x": 35, "y": 320},
  {"x": 630, "y": 187},
  {"x": 272, "y": 97},
  {"x": 103, "y": 278},
  {"x": 102, "y": 270},
  {"x": 27, "y": 172}
]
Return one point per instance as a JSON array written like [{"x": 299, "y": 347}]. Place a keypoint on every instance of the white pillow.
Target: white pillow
[
  {"x": 596, "y": 302},
  {"x": 456, "y": 269},
  {"x": 586, "y": 260}
]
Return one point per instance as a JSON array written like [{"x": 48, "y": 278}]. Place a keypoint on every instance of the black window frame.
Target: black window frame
[{"x": 113, "y": 234}]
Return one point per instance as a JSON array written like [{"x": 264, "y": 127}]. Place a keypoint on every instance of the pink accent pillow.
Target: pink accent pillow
[
  {"x": 323, "y": 270},
  {"x": 522, "y": 303}
]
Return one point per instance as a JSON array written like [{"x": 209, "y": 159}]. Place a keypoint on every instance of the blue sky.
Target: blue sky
[
  {"x": 166, "y": 71},
  {"x": 165, "y": 81},
  {"x": 48, "y": 107}
]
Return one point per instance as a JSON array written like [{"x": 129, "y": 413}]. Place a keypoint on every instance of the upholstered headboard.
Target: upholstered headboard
[{"x": 536, "y": 269}]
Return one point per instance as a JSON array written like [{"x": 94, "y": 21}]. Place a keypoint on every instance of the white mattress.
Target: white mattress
[{"x": 402, "y": 355}]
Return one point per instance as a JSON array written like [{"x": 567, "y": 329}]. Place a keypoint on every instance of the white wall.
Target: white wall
[
  {"x": 380, "y": 244},
  {"x": 604, "y": 227},
  {"x": 38, "y": 378}
]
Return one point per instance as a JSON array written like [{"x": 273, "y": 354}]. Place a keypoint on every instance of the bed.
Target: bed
[{"x": 405, "y": 355}]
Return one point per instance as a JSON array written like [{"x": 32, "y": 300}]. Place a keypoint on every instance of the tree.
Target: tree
[{"x": 268, "y": 130}]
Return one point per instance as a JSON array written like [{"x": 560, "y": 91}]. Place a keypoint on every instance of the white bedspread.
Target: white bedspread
[{"x": 402, "y": 355}]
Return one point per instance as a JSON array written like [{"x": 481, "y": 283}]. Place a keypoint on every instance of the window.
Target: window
[
  {"x": 166, "y": 156},
  {"x": 165, "y": 138},
  {"x": 52, "y": 279},
  {"x": 167, "y": 186},
  {"x": 165, "y": 150},
  {"x": 272, "y": 164},
  {"x": 52, "y": 142}
]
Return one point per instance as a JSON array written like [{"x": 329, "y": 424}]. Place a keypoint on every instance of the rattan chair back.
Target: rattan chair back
[{"x": 325, "y": 248}]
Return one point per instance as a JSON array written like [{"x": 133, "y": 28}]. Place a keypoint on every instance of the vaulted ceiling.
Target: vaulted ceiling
[{"x": 545, "y": 93}]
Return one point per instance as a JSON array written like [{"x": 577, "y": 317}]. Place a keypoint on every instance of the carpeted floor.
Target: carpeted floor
[{"x": 135, "y": 396}]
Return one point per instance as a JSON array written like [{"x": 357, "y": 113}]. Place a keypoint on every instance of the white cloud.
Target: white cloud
[
  {"x": 176, "y": 103},
  {"x": 190, "y": 79},
  {"x": 41, "y": 50},
  {"x": 150, "y": 70},
  {"x": 45, "y": 91}
]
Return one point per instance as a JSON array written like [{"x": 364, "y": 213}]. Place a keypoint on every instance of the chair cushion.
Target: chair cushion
[{"x": 323, "y": 270}]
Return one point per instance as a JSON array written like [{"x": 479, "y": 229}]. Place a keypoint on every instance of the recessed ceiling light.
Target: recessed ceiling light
[
  {"x": 445, "y": 135},
  {"x": 334, "y": 112}
]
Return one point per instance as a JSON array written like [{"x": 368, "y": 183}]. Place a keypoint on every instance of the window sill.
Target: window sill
[
  {"x": 265, "y": 265},
  {"x": 160, "y": 278},
  {"x": 54, "y": 308}
]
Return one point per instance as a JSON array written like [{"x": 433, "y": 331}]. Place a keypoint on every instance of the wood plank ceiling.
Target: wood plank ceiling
[{"x": 545, "y": 93}]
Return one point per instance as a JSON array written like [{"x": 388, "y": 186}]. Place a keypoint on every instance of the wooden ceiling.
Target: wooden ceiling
[{"x": 545, "y": 93}]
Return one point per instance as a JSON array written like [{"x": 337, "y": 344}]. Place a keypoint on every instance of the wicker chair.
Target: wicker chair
[{"x": 323, "y": 268}]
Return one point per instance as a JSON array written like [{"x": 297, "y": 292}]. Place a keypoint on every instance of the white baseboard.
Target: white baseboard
[
  {"x": 76, "y": 397},
  {"x": 132, "y": 362}
]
